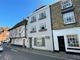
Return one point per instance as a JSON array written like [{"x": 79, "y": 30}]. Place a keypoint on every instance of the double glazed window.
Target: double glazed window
[
  {"x": 42, "y": 15},
  {"x": 73, "y": 40},
  {"x": 69, "y": 18},
  {"x": 66, "y": 4}
]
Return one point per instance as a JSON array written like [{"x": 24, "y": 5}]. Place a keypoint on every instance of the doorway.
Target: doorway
[
  {"x": 30, "y": 42},
  {"x": 61, "y": 43},
  {"x": 24, "y": 46}
]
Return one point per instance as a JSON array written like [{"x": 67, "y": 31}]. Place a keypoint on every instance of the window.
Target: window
[
  {"x": 16, "y": 32},
  {"x": 72, "y": 40},
  {"x": 42, "y": 15},
  {"x": 39, "y": 41},
  {"x": 33, "y": 29},
  {"x": 19, "y": 29},
  {"x": 69, "y": 18},
  {"x": 19, "y": 34},
  {"x": 66, "y": 4},
  {"x": 43, "y": 27},
  {"x": 33, "y": 19}
]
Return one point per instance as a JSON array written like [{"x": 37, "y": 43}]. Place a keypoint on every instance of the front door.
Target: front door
[
  {"x": 61, "y": 43},
  {"x": 24, "y": 43},
  {"x": 30, "y": 42}
]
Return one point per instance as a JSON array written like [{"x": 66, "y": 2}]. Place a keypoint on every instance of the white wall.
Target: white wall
[
  {"x": 19, "y": 39},
  {"x": 15, "y": 32},
  {"x": 64, "y": 32},
  {"x": 49, "y": 43}
]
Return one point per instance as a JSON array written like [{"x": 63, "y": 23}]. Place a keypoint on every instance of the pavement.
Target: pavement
[
  {"x": 58, "y": 55},
  {"x": 15, "y": 53}
]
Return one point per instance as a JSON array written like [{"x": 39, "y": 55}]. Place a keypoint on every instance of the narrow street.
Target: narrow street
[{"x": 12, "y": 54}]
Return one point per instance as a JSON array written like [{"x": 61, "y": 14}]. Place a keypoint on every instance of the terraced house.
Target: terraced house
[
  {"x": 18, "y": 34},
  {"x": 54, "y": 27},
  {"x": 66, "y": 25},
  {"x": 39, "y": 29}
]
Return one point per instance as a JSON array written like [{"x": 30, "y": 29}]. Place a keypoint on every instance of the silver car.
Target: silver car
[{"x": 1, "y": 48}]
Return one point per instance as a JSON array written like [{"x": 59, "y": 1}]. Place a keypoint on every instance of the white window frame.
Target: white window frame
[
  {"x": 69, "y": 4},
  {"x": 33, "y": 19},
  {"x": 43, "y": 25},
  {"x": 39, "y": 42},
  {"x": 70, "y": 42},
  {"x": 68, "y": 15},
  {"x": 33, "y": 27},
  {"x": 42, "y": 15}
]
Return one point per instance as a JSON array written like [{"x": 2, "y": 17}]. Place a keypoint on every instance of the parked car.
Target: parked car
[{"x": 1, "y": 47}]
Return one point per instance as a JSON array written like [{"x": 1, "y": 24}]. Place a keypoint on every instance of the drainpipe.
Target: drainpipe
[
  {"x": 25, "y": 31},
  {"x": 51, "y": 26}
]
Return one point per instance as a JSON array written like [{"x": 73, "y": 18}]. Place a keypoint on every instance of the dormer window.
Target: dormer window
[
  {"x": 42, "y": 15},
  {"x": 33, "y": 19},
  {"x": 66, "y": 4}
]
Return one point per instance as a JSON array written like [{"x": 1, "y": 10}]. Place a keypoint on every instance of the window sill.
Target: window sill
[
  {"x": 33, "y": 21},
  {"x": 74, "y": 48},
  {"x": 65, "y": 10},
  {"x": 70, "y": 23},
  {"x": 42, "y": 18},
  {"x": 42, "y": 30},
  {"x": 32, "y": 31},
  {"x": 39, "y": 45}
]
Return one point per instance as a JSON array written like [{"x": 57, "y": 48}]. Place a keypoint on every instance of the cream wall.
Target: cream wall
[{"x": 64, "y": 32}]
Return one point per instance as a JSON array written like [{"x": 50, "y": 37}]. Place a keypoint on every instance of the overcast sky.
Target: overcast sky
[{"x": 13, "y": 11}]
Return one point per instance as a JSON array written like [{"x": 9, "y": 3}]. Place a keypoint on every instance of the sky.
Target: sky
[{"x": 13, "y": 11}]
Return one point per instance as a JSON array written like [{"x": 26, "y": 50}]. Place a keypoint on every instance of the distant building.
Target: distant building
[
  {"x": 4, "y": 34},
  {"x": 18, "y": 34},
  {"x": 66, "y": 25}
]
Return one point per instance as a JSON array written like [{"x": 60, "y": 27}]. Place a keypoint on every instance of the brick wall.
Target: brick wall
[{"x": 57, "y": 19}]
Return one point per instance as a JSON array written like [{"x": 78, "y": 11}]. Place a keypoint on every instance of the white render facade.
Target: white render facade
[
  {"x": 71, "y": 37},
  {"x": 39, "y": 29},
  {"x": 18, "y": 36}
]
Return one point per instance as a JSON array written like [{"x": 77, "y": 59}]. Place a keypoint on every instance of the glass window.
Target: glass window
[
  {"x": 33, "y": 19},
  {"x": 42, "y": 15},
  {"x": 72, "y": 40},
  {"x": 33, "y": 29},
  {"x": 69, "y": 18},
  {"x": 39, "y": 41},
  {"x": 66, "y": 4},
  {"x": 43, "y": 26}
]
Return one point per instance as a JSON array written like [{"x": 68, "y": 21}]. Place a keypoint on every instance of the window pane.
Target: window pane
[
  {"x": 69, "y": 18},
  {"x": 72, "y": 40},
  {"x": 66, "y": 4}
]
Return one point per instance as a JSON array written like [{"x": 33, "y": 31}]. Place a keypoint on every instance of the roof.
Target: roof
[
  {"x": 4, "y": 29},
  {"x": 23, "y": 22},
  {"x": 39, "y": 8}
]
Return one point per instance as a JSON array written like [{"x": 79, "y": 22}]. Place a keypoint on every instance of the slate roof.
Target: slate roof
[{"x": 23, "y": 22}]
